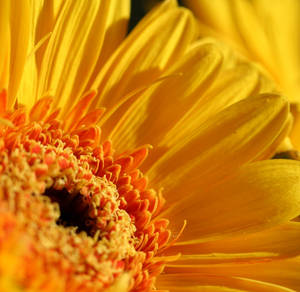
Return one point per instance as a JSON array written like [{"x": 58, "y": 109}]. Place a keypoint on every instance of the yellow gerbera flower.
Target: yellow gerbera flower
[
  {"x": 264, "y": 31},
  {"x": 82, "y": 210}
]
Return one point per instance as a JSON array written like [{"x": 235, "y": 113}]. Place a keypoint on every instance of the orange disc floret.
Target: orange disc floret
[{"x": 85, "y": 212}]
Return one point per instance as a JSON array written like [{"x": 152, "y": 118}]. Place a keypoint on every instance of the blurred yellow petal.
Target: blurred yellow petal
[
  {"x": 262, "y": 31},
  {"x": 280, "y": 20}
]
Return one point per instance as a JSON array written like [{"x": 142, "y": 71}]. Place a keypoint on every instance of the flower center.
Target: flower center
[
  {"x": 67, "y": 209},
  {"x": 84, "y": 209},
  {"x": 85, "y": 213},
  {"x": 74, "y": 210}
]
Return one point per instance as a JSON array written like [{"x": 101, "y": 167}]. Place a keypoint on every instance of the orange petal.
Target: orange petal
[
  {"x": 40, "y": 109},
  {"x": 78, "y": 111}
]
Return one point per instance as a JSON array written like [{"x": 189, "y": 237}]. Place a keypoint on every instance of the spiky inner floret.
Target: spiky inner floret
[{"x": 80, "y": 206}]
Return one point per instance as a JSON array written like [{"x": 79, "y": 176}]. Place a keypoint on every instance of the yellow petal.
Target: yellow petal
[
  {"x": 115, "y": 32},
  {"x": 264, "y": 31},
  {"x": 294, "y": 135},
  {"x": 160, "y": 108},
  {"x": 230, "y": 86},
  {"x": 73, "y": 50},
  {"x": 208, "y": 10},
  {"x": 282, "y": 272},
  {"x": 46, "y": 14},
  {"x": 20, "y": 20},
  {"x": 143, "y": 56},
  {"x": 202, "y": 283},
  {"x": 28, "y": 84},
  {"x": 260, "y": 195},
  {"x": 217, "y": 147},
  {"x": 5, "y": 44},
  {"x": 282, "y": 28},
  {"x": 280, "y": 143},
  {"x": 281, "y": 241}
]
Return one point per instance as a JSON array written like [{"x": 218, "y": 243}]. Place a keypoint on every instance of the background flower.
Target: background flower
[{"x": 265, "y": 32}]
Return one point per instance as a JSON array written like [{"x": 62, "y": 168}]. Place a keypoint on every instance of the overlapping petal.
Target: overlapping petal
[
  {"x": 219, "y": 146},
  {"x": 279, "y": 242},
  {"x": 264, "y": 31},
  {"x": 214, "y": 283},
  {"x": 284, "y": 273},
  {"x": 138, "y": 62}
]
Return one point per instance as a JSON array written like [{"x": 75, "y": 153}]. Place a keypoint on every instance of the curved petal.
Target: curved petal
[
  {"x": 143, "y": 56},
  {"x": 259, "y": 196},
  {"x": 264, "y": 31},
  {"x": 169, "y": 100},
  {"x": 219, "y": 146}
]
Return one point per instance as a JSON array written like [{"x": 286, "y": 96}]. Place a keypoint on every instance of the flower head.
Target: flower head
[{"x": 82, "y": 209}]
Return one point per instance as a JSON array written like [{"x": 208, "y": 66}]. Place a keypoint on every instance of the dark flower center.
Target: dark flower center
[{"x": 74, "y": 210}]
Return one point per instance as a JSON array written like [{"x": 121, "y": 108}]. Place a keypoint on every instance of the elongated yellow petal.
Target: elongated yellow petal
[
  {"x": 45, "y": 18},
  {"x": 230, "y": 86},
  {"x": 115, "y": 32},
  {"x": 20, "y": 20},
  {"x": 143, "y": 56},
  {"x": 28, "y": 85},
  {"x": 281, "y": 241},
  {"x": 192, "y": 76},
  {"x": 216, "y": 148},
  {"x": 5, "y": 47},
  {"x": 73, "y": 50},
  {"x": 282, "y": 28},
  {"x": 195, "y": 282},
  {"x": 260, "y": 195},
  {"x": 282, "y": 272}
]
